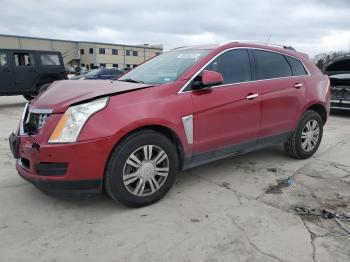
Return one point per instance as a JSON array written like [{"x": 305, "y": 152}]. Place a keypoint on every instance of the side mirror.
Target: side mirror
[
  {"x": 206, "y": 79},
  {"x": 211, "y": 78}
]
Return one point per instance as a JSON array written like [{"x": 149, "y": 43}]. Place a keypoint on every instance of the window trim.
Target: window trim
[{"x": 183, "y": 89}]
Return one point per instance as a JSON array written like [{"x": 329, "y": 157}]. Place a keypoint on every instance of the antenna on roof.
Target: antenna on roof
[{"x": 268, "y": 39}]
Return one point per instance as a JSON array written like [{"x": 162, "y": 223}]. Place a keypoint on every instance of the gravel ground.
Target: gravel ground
[{"x": 236, "y": 209}]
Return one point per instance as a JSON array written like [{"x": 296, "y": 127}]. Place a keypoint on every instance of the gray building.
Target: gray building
[{"x": 88, "y": 54}]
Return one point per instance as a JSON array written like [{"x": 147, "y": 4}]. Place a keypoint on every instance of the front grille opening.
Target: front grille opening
[
  {"x": 34, "y": 123},
  {"x": 25, "y": 162}
]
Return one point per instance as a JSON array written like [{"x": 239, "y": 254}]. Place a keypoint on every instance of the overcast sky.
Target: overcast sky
[{"x": 312, "y": 26}]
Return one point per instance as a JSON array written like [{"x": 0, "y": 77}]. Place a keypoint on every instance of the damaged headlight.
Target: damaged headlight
[{"x": 73, "y": 120}]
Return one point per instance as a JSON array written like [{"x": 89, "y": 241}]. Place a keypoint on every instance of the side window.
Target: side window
[
  {"x": 297, "y": 67},
  {"x": 109, "y": 72},
  {"x": 271, "y": 65},
  {"x": 50, "y": 59},
  {"x": 23, "y": 59},
  {"x": 3, "y": 59},
  {"x": 234, "y": 65}
]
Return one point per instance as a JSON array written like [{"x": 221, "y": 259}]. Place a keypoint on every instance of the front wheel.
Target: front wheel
[
  {"x": 307, "y": 137},
  {"x": 141, "y": 169}
]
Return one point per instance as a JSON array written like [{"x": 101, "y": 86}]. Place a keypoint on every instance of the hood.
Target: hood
[
  {"x": 341, "y": 76},
  {"x": 61, "y": 94},
  {"x": 340, "y": 80}
]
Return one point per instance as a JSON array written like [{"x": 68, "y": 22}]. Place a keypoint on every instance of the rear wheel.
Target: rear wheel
[
  {"x": 142, "y": 168},
  {"x": 307, "y": 137},
  {"x": 44, "y": 87},
  {"x": 29, "y": 97}
]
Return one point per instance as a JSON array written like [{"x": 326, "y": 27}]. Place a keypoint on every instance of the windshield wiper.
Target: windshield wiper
[{"x": 132, "y": 80}]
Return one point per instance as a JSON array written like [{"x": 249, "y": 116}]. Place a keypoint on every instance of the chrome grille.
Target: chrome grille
[{"x": 33, "y": 120}]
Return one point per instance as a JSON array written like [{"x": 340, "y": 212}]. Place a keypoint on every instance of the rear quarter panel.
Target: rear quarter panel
[{"x": 317, "y": 89}]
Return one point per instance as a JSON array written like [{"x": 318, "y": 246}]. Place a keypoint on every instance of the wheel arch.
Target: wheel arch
[
  {"x": 166, "y": 131},
  {"x": 44, "y": 79},
  {"x": 321, "y": 110}
]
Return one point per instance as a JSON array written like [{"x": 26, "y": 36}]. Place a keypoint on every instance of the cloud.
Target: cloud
[{"x": 311, "y": 26}]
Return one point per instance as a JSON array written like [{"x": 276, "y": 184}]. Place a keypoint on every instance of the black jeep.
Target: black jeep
[{"x": 27, "y": 72}]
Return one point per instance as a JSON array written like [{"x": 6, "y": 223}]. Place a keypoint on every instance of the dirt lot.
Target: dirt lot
[{"x": 225, "y": 211}]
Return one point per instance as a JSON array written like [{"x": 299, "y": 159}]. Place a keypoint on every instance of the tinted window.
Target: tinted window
[
  {"x": 50, "y": 59},
  {"x": 3, "y": 59},
  {"x": 271, "y": 65},
  {"x": 297, "y": 67},
  {"x": 234, "y": 66},
  {"x": 114, "y": 72}
]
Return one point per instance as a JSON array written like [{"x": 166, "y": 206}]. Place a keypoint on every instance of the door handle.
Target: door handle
[
  {"x": 251, "y": 96},
  {"x": 298, "y": 85}
]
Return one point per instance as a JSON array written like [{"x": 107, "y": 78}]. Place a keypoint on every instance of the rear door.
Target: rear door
[
  {"x": 6, "y": 74},
  {"x": 25, "y": 72},
  {"x": 281, "y": 91}
]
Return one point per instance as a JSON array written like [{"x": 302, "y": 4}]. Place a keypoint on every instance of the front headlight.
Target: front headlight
[{"x": 73, "y": 120}]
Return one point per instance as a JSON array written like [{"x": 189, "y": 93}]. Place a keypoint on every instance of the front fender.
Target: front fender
[{"x": 117, "y": 119}]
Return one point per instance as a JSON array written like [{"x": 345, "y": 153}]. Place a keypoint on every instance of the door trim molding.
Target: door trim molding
[{"x": 237, "y": 149}]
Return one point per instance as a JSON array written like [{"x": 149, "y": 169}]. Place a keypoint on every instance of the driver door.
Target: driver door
[{"x": 227, "y": 117}]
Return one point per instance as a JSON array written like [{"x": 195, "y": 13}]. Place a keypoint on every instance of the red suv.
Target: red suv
[{"x": 181, "y": 109}]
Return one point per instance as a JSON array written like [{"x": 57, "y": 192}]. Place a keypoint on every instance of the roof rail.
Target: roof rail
[{"x": 256, "y": 42}]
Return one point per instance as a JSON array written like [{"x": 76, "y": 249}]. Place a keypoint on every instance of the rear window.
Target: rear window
[
  {"x": 50, "y": 59},
  {"x": 3, "y": 59},
  {"x": 297, "y": 66},
  {"x": 271, "y": 65}
]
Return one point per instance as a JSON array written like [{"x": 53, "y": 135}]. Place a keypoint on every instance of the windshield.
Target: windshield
[
  {"x": 164, "y": 68},
  {"x": 93, "y": 72}
]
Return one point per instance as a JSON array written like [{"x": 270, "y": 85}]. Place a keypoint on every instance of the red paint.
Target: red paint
[
  {"x": 221, "y": 116},
  {"x": 211, "y": 78}
]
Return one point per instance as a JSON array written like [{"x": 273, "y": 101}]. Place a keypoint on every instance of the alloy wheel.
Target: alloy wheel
[
  {"x": 146, "y": 170},
  {"x": 310, "y": 135}
]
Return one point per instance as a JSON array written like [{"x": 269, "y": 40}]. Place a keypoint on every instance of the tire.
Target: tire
[
  {"x": 29, "y": 97},
  {"x": 309, "y": 126},
  {"x": 132, "y": 190},
  {"x": 44, "y": 87}
]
